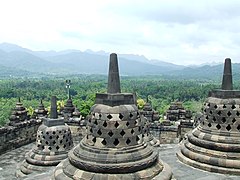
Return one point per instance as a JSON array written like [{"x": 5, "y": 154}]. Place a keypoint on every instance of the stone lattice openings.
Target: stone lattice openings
[
  {"x": 113, "y": 147},
  {"x": 215, "y": 144}
]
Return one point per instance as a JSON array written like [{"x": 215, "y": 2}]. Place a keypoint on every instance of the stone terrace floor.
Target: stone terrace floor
[{"x": 12, "y": 159}]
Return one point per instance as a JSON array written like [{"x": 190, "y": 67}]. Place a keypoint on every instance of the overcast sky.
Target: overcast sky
[{"x": 178, "y": 31}]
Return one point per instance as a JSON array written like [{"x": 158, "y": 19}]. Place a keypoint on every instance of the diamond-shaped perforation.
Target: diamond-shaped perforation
[
  {"x": 104, "y": 142},
  {"x": 128, "y": 141},
  {"x": 109, "y": 116},
  {"x": 95, "y": 122},
  {"x": 99, "y": 132},
  {"x": 137, "y": 138},
  {"x": 94, "y": 139},
  {"x": 121, "y": 116},
  {"x": 91, "y": 130},
  {"x": 210, "y": 112},
  {"x": 214, "y": 119},
  {"x": 215, "y": 106},
  {"x": 208, "y": 104},
  {"x": 224, "y": 106},
  {"x": 238, "y": 127},
  {"x": 219, "y": 113},
  {"x": 209, "y": 125},
  {"x": 116, "y": 124},
  {"x": 110, "y": 133},
  {"x": 206, "y": 117},
  {"x": 224, "y": 120},
  {"x": 105, "y": 124},
  {"x": 122, "y": 133},
  {"x": 127, "y": 124},
  {"x": 229, "y": 113},
  {"x": 233, "y": 106},
  {"x": 218, "y": 126},
  {"x": 132, "y": 131},
  {"x": 229, "y": 127},
  {"x": 135, "y": 122},
  {"x": 234, "y": 120},
  {"x": 116, "y": 142},
  {"x": 139, "y": 129},
  {"x": 130, "y": 115},
  {"x": 237, "y": 113}
]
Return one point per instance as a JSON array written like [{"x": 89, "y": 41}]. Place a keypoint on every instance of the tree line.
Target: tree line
[{"x": 158, "y": 90}]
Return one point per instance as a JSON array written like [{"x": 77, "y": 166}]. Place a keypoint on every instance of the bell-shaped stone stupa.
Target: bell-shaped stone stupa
[
  {"x": 41, "y": 111},
  {"x": 19, "y": 114},
  {"x": 113, "y": 147},
  {"x": 214, "y": 145},
  {"x": 53, "y": 142}
]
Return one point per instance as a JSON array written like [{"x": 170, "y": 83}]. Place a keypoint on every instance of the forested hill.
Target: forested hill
[
  {"x": 18, "y": 61},
  {"x": 76, "y": 62},
  {"x": 206, "y": 72}
]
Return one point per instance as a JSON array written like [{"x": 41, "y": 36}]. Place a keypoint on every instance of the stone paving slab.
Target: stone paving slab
[
  {"x": 12, "y": 159},
  {"x": 184, "y": 172}
]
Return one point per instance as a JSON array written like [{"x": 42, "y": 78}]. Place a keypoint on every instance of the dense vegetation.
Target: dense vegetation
[{"x": 158, "y": 90}]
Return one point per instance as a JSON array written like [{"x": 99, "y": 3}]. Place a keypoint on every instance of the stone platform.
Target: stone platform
[{"x": 10, "y": 160}]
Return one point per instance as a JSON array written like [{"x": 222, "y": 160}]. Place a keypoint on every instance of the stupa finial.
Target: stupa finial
[
  {"x": 227, "y": 75},
  {"x": 113, "y": 75},
  {"x": 53, "y": 112}
]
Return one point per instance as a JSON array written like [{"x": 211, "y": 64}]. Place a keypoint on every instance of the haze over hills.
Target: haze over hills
[
  {"x": 74, "y": 62},
  {"x": 24, "y": 60}
]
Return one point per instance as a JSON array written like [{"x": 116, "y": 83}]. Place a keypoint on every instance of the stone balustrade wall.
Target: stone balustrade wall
[{"x": 12, "y": 137}]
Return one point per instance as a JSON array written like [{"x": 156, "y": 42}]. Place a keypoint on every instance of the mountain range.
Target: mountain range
[{"x": 15, "y": 60}]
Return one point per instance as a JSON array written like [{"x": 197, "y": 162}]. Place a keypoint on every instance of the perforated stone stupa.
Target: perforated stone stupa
[
  {"x": 41, "y": 111},
  {"x": 113, "y": 147},
  {"x": 215, "y": 144},
  {"x": 68, "y": 109},
  {"x": 19, "y": 114},
  {"x": 53, "y": 142}
]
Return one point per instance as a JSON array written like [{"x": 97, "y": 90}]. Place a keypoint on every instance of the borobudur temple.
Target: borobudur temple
[
  {"x": 214, "y": 145},
  {"x": 113, "y": 147},
  {"x": 53, "y": 142}
]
